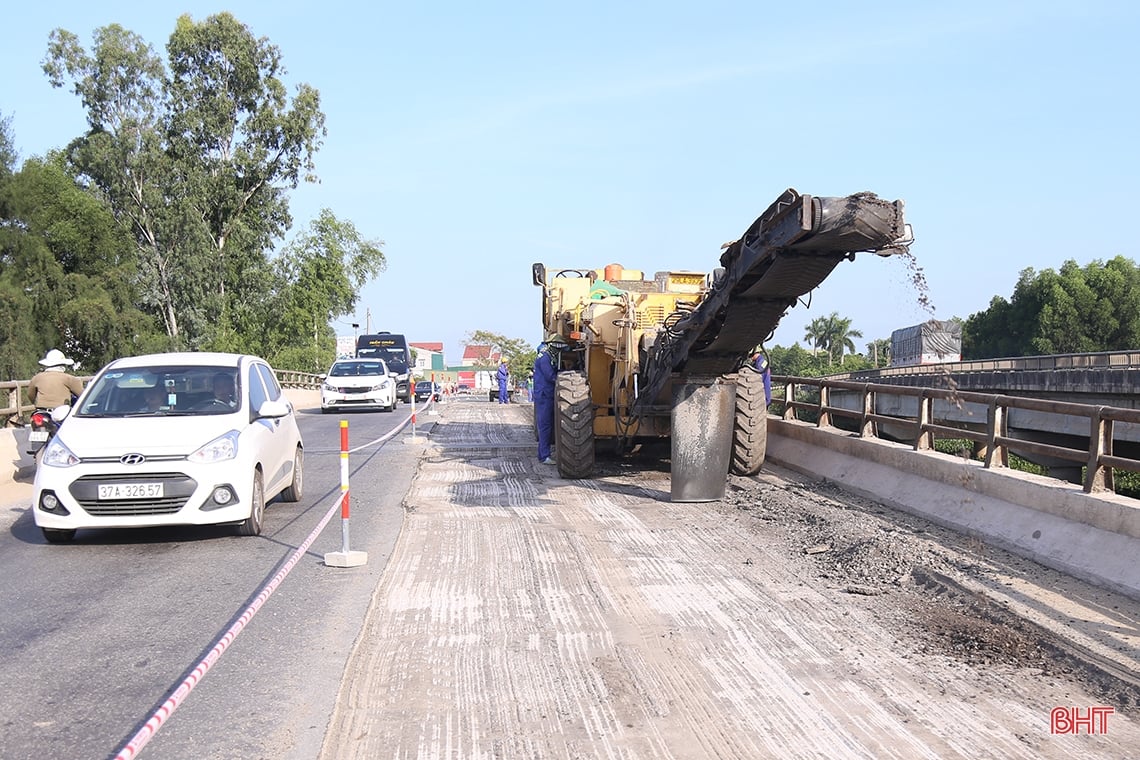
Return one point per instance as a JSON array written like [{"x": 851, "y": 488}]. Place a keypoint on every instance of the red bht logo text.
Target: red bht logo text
[{"x": 1070, "y": 720}]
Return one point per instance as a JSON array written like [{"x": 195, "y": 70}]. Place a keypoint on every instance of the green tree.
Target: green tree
[
  {"x": 879, "y": 352},
  {"x": 65, "y": 274},
  {"x": 7, "y": 148},
  {"x": 833, "y": 334},
  {"x": 519, "y": 353},
  {"x": 1073, "y": 310},
  {"x": 319, "y": 275},
  {"x": 195, "y": 163},
  {"x": 795, "y": 361}
]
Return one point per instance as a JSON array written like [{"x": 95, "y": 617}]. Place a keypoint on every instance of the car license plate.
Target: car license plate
[
  {"x": 130, "y": 491},
  {"x": 38, "y": 435}
]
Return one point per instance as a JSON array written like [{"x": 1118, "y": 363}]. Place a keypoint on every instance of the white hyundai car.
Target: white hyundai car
[
  {"x": 356, "y": 383},
  {"x": 171, "y": 439}
]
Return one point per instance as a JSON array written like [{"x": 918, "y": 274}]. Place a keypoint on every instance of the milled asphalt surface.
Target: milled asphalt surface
[{"x": 522, "y": 615}]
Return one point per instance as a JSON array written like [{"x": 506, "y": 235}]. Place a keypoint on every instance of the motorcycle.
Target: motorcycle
[{"x": 42, "y": 428}]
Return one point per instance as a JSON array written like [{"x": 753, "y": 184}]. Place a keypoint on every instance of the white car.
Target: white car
[
  {"x": 362, "y": 382},
  {"x": 171, "y": 439}
]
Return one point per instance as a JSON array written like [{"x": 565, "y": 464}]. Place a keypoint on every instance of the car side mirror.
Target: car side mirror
[
  {"x": 273, "y": 409},
  {"x": 60, "y": 413}
]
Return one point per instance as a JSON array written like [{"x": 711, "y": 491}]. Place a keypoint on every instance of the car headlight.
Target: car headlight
[
  {"x": 221, "y": 449},
  {"x": 329, "y": 387},
  {"x": 56, "y": 454}
]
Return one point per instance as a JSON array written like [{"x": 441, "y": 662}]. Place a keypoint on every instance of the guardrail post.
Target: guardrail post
[
  {"x": 789, "y": 397},
  {"x": 924, "y": 438},
  {"x": 866, "y": 424},
  {"x": 1097, "y": 476},
  {"x": 824, "y": 403},
  {"x": 997, "y": 455}
]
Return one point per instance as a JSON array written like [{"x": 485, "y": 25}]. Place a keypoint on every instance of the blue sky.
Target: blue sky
[{"x": 477, "y": 138}]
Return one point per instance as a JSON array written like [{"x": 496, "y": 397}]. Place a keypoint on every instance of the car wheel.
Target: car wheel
[
  {"x": 251, "y": 526},
  {"x": 296, "y": 489},
  {"x": 58, "y": 535},
  {"x": 325, "y": 410}
]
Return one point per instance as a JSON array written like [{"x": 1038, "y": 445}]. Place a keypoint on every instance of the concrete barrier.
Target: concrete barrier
[
  {"x": 12, "y": 457},
  {"x": 1095, "y": 537}
]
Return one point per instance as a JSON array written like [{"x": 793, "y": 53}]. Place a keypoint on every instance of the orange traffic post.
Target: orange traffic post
[{"x": 345, "y": 557}]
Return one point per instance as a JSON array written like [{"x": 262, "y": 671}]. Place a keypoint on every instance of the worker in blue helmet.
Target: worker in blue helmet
[
  {"x": 759, "y": 362},
  {"x": 545, "y": 370}
]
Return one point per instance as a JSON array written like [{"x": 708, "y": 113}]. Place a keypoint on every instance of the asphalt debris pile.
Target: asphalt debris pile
[{"x": 911, "y": 573}]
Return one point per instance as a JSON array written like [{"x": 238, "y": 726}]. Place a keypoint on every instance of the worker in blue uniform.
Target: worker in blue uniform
[
  {"x": 502, "y": 376},
  {"x": 760, "y": 363},
  {"x": 544, "y": 380}
]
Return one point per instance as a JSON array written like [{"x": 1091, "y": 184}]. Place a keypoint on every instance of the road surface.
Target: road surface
[{"x": 522, "y": 615}]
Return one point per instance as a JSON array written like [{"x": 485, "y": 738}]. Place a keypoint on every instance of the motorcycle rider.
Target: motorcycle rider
[{"x": 53, "y": 386}]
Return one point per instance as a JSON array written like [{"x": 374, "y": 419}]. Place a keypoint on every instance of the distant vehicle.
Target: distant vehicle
[
  {"x": 493, "y": 394},
  {"x": 393, "y": 349},
  {"x": 170, "y": 439},
  {"x": 464, "y": 390},
  {"x": 932, "y": 342},
  {"x": 355, "y": 383},
  {"x": 426, "y": 388}
]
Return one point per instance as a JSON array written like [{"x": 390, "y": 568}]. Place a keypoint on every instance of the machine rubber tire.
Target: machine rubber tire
[
  {"x": 296, "y": 489},
  {"x": 750, "y": 423},
  {"x": 573, "y": 426},
  {"x": 251, "y": 526},
  {"x": 58, "y": 535}
]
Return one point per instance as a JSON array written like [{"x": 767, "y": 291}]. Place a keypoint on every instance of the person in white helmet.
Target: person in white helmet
[{"x": 54, "y": 386}]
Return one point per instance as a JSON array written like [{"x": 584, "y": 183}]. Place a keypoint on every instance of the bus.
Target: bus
[{"x": 393, "y": 349}]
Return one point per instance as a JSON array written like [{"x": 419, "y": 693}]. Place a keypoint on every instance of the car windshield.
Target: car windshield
[
  {"x": 353, "y": 369},
  {"x": 163, "y": 390},
  {"x": 395, "y": 357}
]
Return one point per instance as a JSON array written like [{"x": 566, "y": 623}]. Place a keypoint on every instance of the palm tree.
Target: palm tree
[
  {"x": 816, "y": 334},
  {"x": 833, "y": 334}
]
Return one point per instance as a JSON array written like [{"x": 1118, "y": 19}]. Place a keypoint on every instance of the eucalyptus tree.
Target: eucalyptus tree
[
  {"x": 195, "y": 158},
  {"x": 7, "y": 147},
  {"x": 325, "y": 266}
]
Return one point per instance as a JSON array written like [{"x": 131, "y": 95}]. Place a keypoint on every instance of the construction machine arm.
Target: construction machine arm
[{"x": 788, "y": 251}]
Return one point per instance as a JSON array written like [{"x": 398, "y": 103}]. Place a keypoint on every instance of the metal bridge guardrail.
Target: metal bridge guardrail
[
  {"x": 16, "y": 391},
  {"x": 812, "y": 395},
  {"x": 1051, "y": 362}
]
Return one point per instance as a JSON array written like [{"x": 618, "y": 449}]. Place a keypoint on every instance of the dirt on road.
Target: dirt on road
[{"x": 526, "y": 616}]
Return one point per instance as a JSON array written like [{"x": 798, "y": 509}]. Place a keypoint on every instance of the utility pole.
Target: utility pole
[{"x": 368, "y": 321}]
